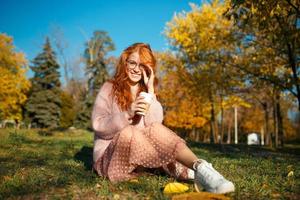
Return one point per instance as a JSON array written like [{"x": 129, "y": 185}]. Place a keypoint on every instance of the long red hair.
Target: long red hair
[{"x": 121, "y": 88}]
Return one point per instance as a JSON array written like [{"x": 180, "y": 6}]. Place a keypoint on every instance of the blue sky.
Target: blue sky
[{"x": 126, "y": 22}]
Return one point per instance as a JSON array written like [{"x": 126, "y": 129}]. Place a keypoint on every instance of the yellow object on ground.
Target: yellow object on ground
[
  {"x": 175, "y": 188},
  {"x": 134, "y": 180},
  {"x": 200, "y": 195}
]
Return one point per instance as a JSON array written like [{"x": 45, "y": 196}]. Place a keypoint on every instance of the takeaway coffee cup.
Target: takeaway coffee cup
[{"x": 148, "y": 98}]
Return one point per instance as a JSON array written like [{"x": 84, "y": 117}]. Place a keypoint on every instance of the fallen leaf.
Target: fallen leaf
[
  {"x": 290, "y": 174},
  {"x": 116, "y": 196},
  {"x": 134, "y": 180},
  {"x": 200, "y": 195},
  {"x": 276, "y": 195},
  {"x": 175, "y": 188}
]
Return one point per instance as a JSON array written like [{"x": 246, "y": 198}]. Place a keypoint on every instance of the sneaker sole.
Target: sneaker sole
[
  {"x": 227, "y": 190},
  {"x": 197, "y": 188}
]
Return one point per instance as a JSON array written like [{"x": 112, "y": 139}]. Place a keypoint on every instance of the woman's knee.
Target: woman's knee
[
  {"x": 159, "y": 128},
  {"x": 163, "y": 131},
  {"x": 157, "y": 125},
  {"x": 126, "y": 132}
]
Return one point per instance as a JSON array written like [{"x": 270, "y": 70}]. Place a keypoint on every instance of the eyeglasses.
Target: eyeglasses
[{"x": 132, "y": 64}]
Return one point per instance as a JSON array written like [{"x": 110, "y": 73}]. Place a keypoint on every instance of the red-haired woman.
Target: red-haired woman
[{"x": 129, "y": 134}]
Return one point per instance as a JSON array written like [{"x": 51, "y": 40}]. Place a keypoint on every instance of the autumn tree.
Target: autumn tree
[
  {"x": 271, "y": 34},
  {"x": 273, "y": 25},
  {"x": 184, "y": 111},
  {"x": 43, "y": 107},
  {"x": 205, "y": 40},
  {"x": 13, "y": 83},
  {"x": 230, "y": 105},
  {"x": 289, "y": 117}
]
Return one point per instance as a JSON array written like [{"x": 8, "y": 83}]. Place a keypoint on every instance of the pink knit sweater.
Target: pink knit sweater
[{"x": 108, "y": 119}]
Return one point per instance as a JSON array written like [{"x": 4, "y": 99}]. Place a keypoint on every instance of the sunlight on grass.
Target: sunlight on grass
[{"x": 59, "y": 166}]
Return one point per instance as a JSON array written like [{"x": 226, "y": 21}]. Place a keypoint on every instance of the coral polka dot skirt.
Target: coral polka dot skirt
[{"x": 151, "y": 147}]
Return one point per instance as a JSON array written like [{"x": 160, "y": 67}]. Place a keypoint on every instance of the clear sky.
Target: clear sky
[{"x": 126, "y": 21}]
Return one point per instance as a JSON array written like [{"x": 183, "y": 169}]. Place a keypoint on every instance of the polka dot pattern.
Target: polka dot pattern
[{"x": 154, "y": 146}]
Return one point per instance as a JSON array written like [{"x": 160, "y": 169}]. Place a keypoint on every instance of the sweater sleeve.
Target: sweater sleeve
[
  {"x": 104, "y": 122},
  {"x": 155, "y": 113}
]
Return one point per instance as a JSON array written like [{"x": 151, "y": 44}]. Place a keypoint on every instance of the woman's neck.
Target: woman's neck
[{"x": 134, "y": 89}]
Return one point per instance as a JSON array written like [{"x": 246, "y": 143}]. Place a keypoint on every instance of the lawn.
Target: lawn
[{"x": 41, "y": 165}]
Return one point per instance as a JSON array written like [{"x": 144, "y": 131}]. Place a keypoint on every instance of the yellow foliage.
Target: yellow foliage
[
  {"x": 251, "y": 119},
  {"x": 184, "y": 108},
  {"x": 13, "y": 82},
  {"x": 201, "y": 35},
  {"x": 202, "y": 29},
  {"x": 232, "y": 101}
]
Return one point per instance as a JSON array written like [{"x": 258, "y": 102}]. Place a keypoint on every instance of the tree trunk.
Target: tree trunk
[
  {"x": 229, "y": 131},
  {"x": 197, "y": 134},
  {"x": 275, "y": 120},
  {"x": 292, "y": 47},
  {"x": 222, "y": 122},
  {"x": 280, "y": 136},
  {"x": 213, "y": 130},
  {"x": 266, "y": 125},
  {"x": 262, "y": 136},
  {"x": 292, "y": 62},
  {"x": 192, "y": 134},
  {"x": 235, "y": 125}
]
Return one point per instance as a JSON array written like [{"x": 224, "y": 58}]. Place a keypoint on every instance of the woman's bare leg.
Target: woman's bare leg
[
  {"x": 203, "y": 175},
  {"x": 183, "y": 153},
  {"x": 185, "y": 156}
]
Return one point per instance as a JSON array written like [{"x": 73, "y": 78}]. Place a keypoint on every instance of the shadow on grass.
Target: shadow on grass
[
  {"x": 85, "y": 155},
  {"x": 239, "y": 150}
]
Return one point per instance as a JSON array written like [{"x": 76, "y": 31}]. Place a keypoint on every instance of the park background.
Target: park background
[{"x": 226, "y": 69}]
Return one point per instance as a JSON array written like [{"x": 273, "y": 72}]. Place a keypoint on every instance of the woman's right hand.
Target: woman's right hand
[{"x": 139, "y": 106}]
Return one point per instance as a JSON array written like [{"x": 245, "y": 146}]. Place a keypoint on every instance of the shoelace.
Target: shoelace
[
  {"x": 206, "y": 175},
  {"x": 198, "y": 161}
]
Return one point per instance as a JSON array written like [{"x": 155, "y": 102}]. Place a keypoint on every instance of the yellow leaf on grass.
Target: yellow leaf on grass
[
  {"x": 134, "y": 180},
  {"x": 116, "y": 196},
  {"x": 175, "y": 188},
  {"x": 200, "y": 195},
  {"x": 290, "y": 174}
]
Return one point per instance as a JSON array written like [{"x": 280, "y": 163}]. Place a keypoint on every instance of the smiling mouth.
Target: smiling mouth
[{"x": 135, "y": 74}]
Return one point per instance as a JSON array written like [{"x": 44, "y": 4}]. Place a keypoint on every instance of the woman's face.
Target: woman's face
[{"x": 134, "y": 68}]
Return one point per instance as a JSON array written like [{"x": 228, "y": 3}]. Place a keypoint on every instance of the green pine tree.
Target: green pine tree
[
  {"x": 83, "y": 118},
  {"x": 43, "y": 107}
]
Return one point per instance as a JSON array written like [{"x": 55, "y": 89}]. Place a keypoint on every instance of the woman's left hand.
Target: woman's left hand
[{"x": 149, "y": 81}]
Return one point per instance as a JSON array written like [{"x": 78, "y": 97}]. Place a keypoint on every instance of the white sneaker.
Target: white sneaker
[
  {"x": 211, "y": 180},
  {"x": 191, "y": 174}
]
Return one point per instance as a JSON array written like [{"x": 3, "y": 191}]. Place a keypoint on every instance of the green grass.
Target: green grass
[{"x": 35, "y": 165}]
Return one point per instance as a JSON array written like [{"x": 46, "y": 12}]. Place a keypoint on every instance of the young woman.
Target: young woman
[{"x": 129, "y": 135}]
